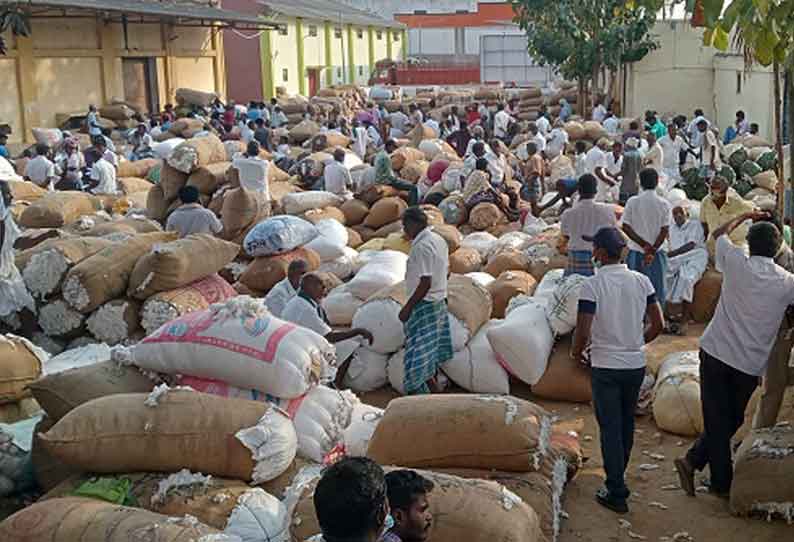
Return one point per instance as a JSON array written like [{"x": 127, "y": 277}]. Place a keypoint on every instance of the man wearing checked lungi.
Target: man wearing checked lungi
[{"x": 428, "y": 340}]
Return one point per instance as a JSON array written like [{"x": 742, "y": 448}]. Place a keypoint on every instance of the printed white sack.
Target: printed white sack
[
  {"x": 381, "y": 317},
  {"x": 163, "y": 149},
  {"x": 523, "y": 342},
  {"x": 676, "y": 401},
  {"x": 563, "y": 306},
  {"x": 384, "y": 269},
  {"x": 258, "y": 516},
  {"x": 343, "y": 267},
  {"x": 480, "y": 241},
  {"x": 331, "y": 241},
  {"x": 340, "y": 306},
  {"x": 259, "y": 351},
  {"x": 549, "y": 284},
  {"x": 362, "y": 426},
  {"x": 367, "y": 371},
  {"x": 514, "y": 240},
  {"x": 300, "y": 202},
  {"x": 475, "y": 368}
]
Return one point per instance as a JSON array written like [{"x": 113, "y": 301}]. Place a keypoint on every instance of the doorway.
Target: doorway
[
  {"x": 314, "y": 81},
  {"x": 140, "y": 83}
]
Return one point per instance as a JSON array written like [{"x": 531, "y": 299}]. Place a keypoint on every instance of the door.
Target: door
[
  {"x": 140, "y": 83},
  {"x": 314, "y": 81}
]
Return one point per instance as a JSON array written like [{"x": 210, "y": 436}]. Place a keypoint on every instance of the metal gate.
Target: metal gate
[{"x": 504, "y": 58}]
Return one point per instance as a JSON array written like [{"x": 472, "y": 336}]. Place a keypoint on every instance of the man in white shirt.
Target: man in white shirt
[
  {"x": 672, "y": 145},
  {"x": 278, "y": 119},
  {"x": 646, "y": 222},
  {"x": 101, "y": 145},
  {"x": 536, "y": 137},
  {"x": 253, "y": 170},
  {"x": 611, "y": 124},
  {"x": 613, "y": 306},
  {"x": 585, "y": 218},
  {"x": 373, "y": 135},
  {"x": 695, "y": 135},
  {"x": 687, "y": 261},
  {"x": 337, "y": 177},
  {"x": 596, "y": 157},
  {"x": 543, "y": 124},
  {"x": 247, "y": 131},
  {"x": 428, "y": 339},
  {"x": 654, "y": 156},
  {"x": 398, "y": 122},
  {"x": 735, "y": 348},
  {"x": 608, "y": 185},
  {"x": 501, "y": 121},
  {"x": 92, "y": 122},
  {"x": 41, "y": 170},
  {"x": 103, "y": 177},
  {"x": 281, "y": 294},
  {"x": 599, "y": 112},
  {"x": 557, "y": 141},
  {"x": 709, "y": 148},
  {"x": 191, "y": 217}
]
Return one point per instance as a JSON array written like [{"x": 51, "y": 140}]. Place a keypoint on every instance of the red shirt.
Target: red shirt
[
  {"x": 228, "y": 117},
  {"x": 472, "y": 117}
]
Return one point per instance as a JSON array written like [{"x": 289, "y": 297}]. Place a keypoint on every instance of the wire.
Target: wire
[{"x": 253, "y": 37}]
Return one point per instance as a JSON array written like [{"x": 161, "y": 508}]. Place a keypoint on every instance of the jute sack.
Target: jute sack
[
  {"x": 405, "y": 155},
  {"x": 44, "y": 266},
  {"x": 208, "y": 178},
  {"x": 26, "y": 191},
  {"x": 60, "y": 393},
  {"x": 57, "y": 209},
  {"x": 766, "y": 179},
  {"x": 156, "y": 204},
  {"x": 676, "y": 401},
  {"x": 21, "y": 365},
  {"x": 265, "y": 272},
  {"x": 138, "y": 168},
  {"x": 485, "y": 215},
  {"x": 186, "y": 127},
  {"x": 170, "y": 305},
  {"x": 706, "y": 296},
  {"x": 419, "y": 134},
  {"x": 242, "y": 209},
  {"x": 178, "y": 429},
  {"x": 88, "y": 520},
  {"x": 130, "y": 185},
  {"x": 413, "y": 171},
  {"x": 171, "y": 181},
  {"x": 48, "y": 471},
  {"x": 304, "y": 131},
  {"x": 465, "y": 260},
  {"x": 463, "y": 509},
  {"x": 450, "y": 234},
  {"x": 21, "y": 410},
  {"x": 508, "y": 285},
  {"x": 565, "y": 379},
  {"x": 470, "y": 431},
  {"x": 178, "y": 263},
  {"x": 762, "y": 474},
  {"x": 509, "y": 260},
  {"x": 385, "y": 211},
  {"x": 316, "y": 215},
  {"x": 354, "y": 239},
  {"x": 593, "y": 130},
  {"x": 372, "y": 194},
  {"x": 131, "y": 224},
  {"x": 390, "y": 228},
  {"x": 104, "y": 276},
  {"x": 468, "y": 302},
  {"x": 575, "y": 130},
  {"x": 197, "y": 152},
  {"x": 189, "y": 96},
  {"x": 355, "y": 211}
]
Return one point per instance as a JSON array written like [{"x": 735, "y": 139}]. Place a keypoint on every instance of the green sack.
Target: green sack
[
  {"x": 737, "y": 158},
  {"x": 743, "y": 186},
  {"x": 768, "y": 160},
  {"x": 154, "y": 174},
  {"x": 112, "y": 490},
  {"x": 728, "y": 174},
  {"x": 751, "y": 169}
]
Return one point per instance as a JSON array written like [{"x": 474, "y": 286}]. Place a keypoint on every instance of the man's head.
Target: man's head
[
  {"x": 414, "y": 221},
  {"x": 740, "y": 115},
  {"x": 295, "y": 272},
  {"x": 390, "y": 146},
  {"x": 719, "y": 189},
  {"x": 189, "y": 194},
  {"x": 42, "y": 149},
  {"x": 580, "y": 147},
  {"x": 313, "y": 286},
  {"x": 608, "y": 245},
  {"x": 481, "y": 164},
  {"x": 407, "y": 491},
  {"x": 702, "y": 126},
  {"x": 253, "y": 148},
  {"x": 3, "y": 139},
  {"x": 532, "y": 148},
  {"x": 763, "y": 239},
  {"x": 339, "y": 155},
  {"x": 634, "y": 126},
  {"x": 454, "y": 110},
  {"x": 680, "y": 215},
  {"x": 351, "y": 500},
  {"x": 649, "y": 178},
  {"x": 698, "y": 112},
  {"x": 500, "y": 106},
  {"x": 99, "y": 143},
  {"x": 141, "y": 128},
  {"x": 754, "y": 128},
  {"x": 478, "y": 132},
  {"x": 92, "y": 108},
  {"x": 259, "y": 123},
  {"x": 672, "y": 130},
  {"x": 587, "y": 186},
  {"x": 604, "y": 144},
  {"x": 532, "y": 128},
  {"x": 478, "y": 149}
]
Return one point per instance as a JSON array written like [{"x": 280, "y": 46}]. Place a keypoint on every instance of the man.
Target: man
[
  {"x": 543, "y": 124},
  {"x": 735, "y": 348},
  {"x": 3, "y": 148},
  {"x": 482, "y": 151},
  {"x": 454, "y": 118},
  {"x": 687, "y": 261},
  {"x": 351, "y": 503},
  {"x": 501, "y": 121},
  {"x": 92, "y": 122},
  {"x": 695, "y": 135},
  {"x": 459, "y": 139},
  {"x": 104, "y": 150},
  {"x": 278, "y": 119},
  {"x": 613, "y": 305},
  {"x": 191, "y": 217},
  {"x": 477, "y": 136},
  {"x": 741, "y": 124},
  {"x": 646, "y": 222},
  {"x": 710, "y": 162},
  {"x": 536, "y": 137},
  {"x": 656, "y": 126},
  {"x": 632, "y": 133},
  {"x": 408, "y": 491},
  {"x": 534, "y": 172},
  {"x": 672, "y": 144},
  {"x": 428, "y": 340},
  {"x": 630, "y": 168},
  {"x": 281, "y": 294},
  {"x": 416, "y": 116},
  {"x": 384, "y": 173},
  {"x": 611, "y": 124},
  {"x": 262, "y": 134},
  {"x": 41, "y": 170},
  {"x": 720, "y": 207},
  {"x": 360, "y": 140},
  {"x": 599, "y": 112},
  {"x": 253, "y": 170},
  {"x": 373, "y": 134},
  {"x": 399, "y": 120},
  {"x": 654, "y": 158},
  {"x": 337, "y": 177},
  {"x": 247, "y": 130},
  {"x": 103, "y": 171},
  {"x": 141, "y": 143},
  {"x": 557, "y": 141},
  {"x": 586, "y": 218},
  {"x": 580, "y": 159}
]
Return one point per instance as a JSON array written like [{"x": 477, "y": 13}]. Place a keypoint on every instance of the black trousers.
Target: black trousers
[{"x": 724, "y": 394}]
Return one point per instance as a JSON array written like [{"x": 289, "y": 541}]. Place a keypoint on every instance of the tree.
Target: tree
[
  {"x": 582, "y": 37},
  {"x": 15, "y": 19}
]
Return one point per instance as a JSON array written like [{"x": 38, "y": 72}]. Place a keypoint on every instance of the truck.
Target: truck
[{"x": 416, "y": 72}]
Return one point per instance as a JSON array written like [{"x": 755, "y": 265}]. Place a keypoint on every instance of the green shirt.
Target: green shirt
[
  {"x": 384, "y": 173},
  {"x": 659, "y": 129}
]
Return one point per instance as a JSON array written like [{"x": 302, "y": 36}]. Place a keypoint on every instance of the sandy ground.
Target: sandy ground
[{"x": 705, "y": 518}]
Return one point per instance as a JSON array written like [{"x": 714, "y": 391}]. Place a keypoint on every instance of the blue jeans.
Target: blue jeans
[
  {"x": 615, "y": 394},
  {"x": 656, "y": 272}
]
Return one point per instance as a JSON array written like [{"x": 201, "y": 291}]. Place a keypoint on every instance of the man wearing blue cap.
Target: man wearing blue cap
[{"x": 613, "y": 306}]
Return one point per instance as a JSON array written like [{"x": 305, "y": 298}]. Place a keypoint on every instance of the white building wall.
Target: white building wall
[
  {"x": 473, "y": 35},
  {"x": 431, "y": 41},
  {"x": 387, "y": 8}
]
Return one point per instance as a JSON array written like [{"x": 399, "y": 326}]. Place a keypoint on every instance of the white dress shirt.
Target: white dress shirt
[
  {"x": 500, "y": 123},
  {"x": 253, "y": 173},
  {"x": 557, "y": 141},
  {"x": 278, "y": 297},
  {"x": 654, "y": 157},
  {"x": 612, "y": 126},
  {"x": 429, "y": 257},
  {"x": 672, "y": 150},
  {"x": 543, "y": 124},
  {"x": 754, "y": 298},
  {"x": 41, "y": 171},
  {"x": 599, "y": 113},
  {"x": 305, "y": 313},
  {"x": 104, "y": 172},
  {"x": 594, "y": 159},
  {"x": 647, "y": 213},
  {"x": 586, "y": 217}
]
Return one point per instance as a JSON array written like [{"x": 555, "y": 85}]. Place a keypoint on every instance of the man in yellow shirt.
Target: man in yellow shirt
[{"x": 720, "y": 207}]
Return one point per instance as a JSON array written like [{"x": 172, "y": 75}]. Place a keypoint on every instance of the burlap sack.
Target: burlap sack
[
  {"x": 72, "y": 249},
  {"x": 208, "y": 178},
  {"x": 406, "y": 155},
  {"x": 132, "y": 225},
  {"x": 594, "y": 130},
  {"x": 353, "y": 238},
  {"x": 451, "y": 235},
  {"x": 242, "y": 289},
  {"x": 463, "y": 509},
  {"x": 767, "y": 180},
  {"x": 171, "y": 181},
  {"x": 90, "y": 520},
  {"x": 706, "y": 296},
  {"x": 575, "y": 130},
  {"x": 316, "y": 215},
  {"x": 21, "y": 410},
  {"x": 130, "y": 185},
  {"x": 186, "y": 127},
  {"x": 58, "y": 209},
  {"x": 364, "y": 233},
  {"x": 390, "y": 228},
  {"x": 60, "y": 393},
  {"x": 178, "y": 263},
  {"x": 156, "y": 204},
  {"x": 376, "y": 192},
  {"x": 762, "y": 474},
  {"x": 31, "y": 238},
  {"x": 104, "y": 276},
  {"x": 21, "y": 365},
  {"x": 385, "y": 211},
  {"x": 304, "y": 131},
  {"x": 185, "y": 429},
  {"x": 509, "y": 260},
  {"x": 48, "y": 471},
  {"x": 420, "y": 133},
  {"x": 276, "y": 175},
  {"x": 189, "y": 96},
  {"x": 508, "y": 285},
  {"x": 241, "y": 210},
  {"x": 434, "y": 216},
  {"x": 197, "y": 152},
  {"x": 485, "y": 215},
  {"x": 265, "y": 272},
  {"x": 538, "y": 267},
  {"x": 469, "y": 431},
  {"x": 465, "y": 260},
  {"x": 25, "y": 191},
  {"x": 529, "y": 93},
  {"x": 565, "y": 379},
  {"x": 413, "y": 171},
  {"x": 468, "y": 302},
  {"x": 355, "y": 211},
  {"x": 138, "y": 168}
]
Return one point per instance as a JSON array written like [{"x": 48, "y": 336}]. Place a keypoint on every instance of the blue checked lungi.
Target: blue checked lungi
[
  {"x": 657, "y": 271},
  {"x": 428, "y": 344},
  {"x": 580, "y": 262}
]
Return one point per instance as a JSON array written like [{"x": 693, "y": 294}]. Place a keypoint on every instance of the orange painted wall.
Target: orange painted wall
[{"x": 487, "y": 15}]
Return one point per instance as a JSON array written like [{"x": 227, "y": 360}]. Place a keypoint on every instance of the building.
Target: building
[
  {"x": 83, "y": 52},
  {"x": 317, "y": 43}
]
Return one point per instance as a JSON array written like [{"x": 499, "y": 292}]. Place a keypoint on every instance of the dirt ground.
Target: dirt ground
[{"x": 705, "y": 518}]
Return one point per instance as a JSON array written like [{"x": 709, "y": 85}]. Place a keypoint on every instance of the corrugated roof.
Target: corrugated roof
[
  {"x": 327, "y": 10},
  {"x": 166, "y": 9}
]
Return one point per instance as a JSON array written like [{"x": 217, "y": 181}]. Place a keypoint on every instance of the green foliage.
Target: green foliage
[{"x": 15, "y": 19}]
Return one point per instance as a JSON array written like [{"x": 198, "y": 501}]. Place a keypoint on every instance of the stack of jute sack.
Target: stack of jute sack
[
  {"x": 22, "y": 364},
  {"x": 530, "y": 101}
]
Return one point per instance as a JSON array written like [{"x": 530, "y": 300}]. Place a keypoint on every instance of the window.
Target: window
[
  {"x": 283, "y": 30},
  {"x": 379, "y": 35},
  {"x": 739, "y": 80},
  {"x": 313, "y": 31},
  {"x": 339, "y": 73},
  {"x": 396, "y": 36},
  {"x": 361, "y": 71},
  {"x": 360, "y": 34},
  {"x": 420, "y": 12},
  {"x": 338, "y": 32},
  {"x": 285, "y": 75}
]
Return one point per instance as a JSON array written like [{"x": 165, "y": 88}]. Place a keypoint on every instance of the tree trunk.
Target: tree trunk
[
  {"x": 787, "y": 182},
  {"x": 781, "y": 189}
]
